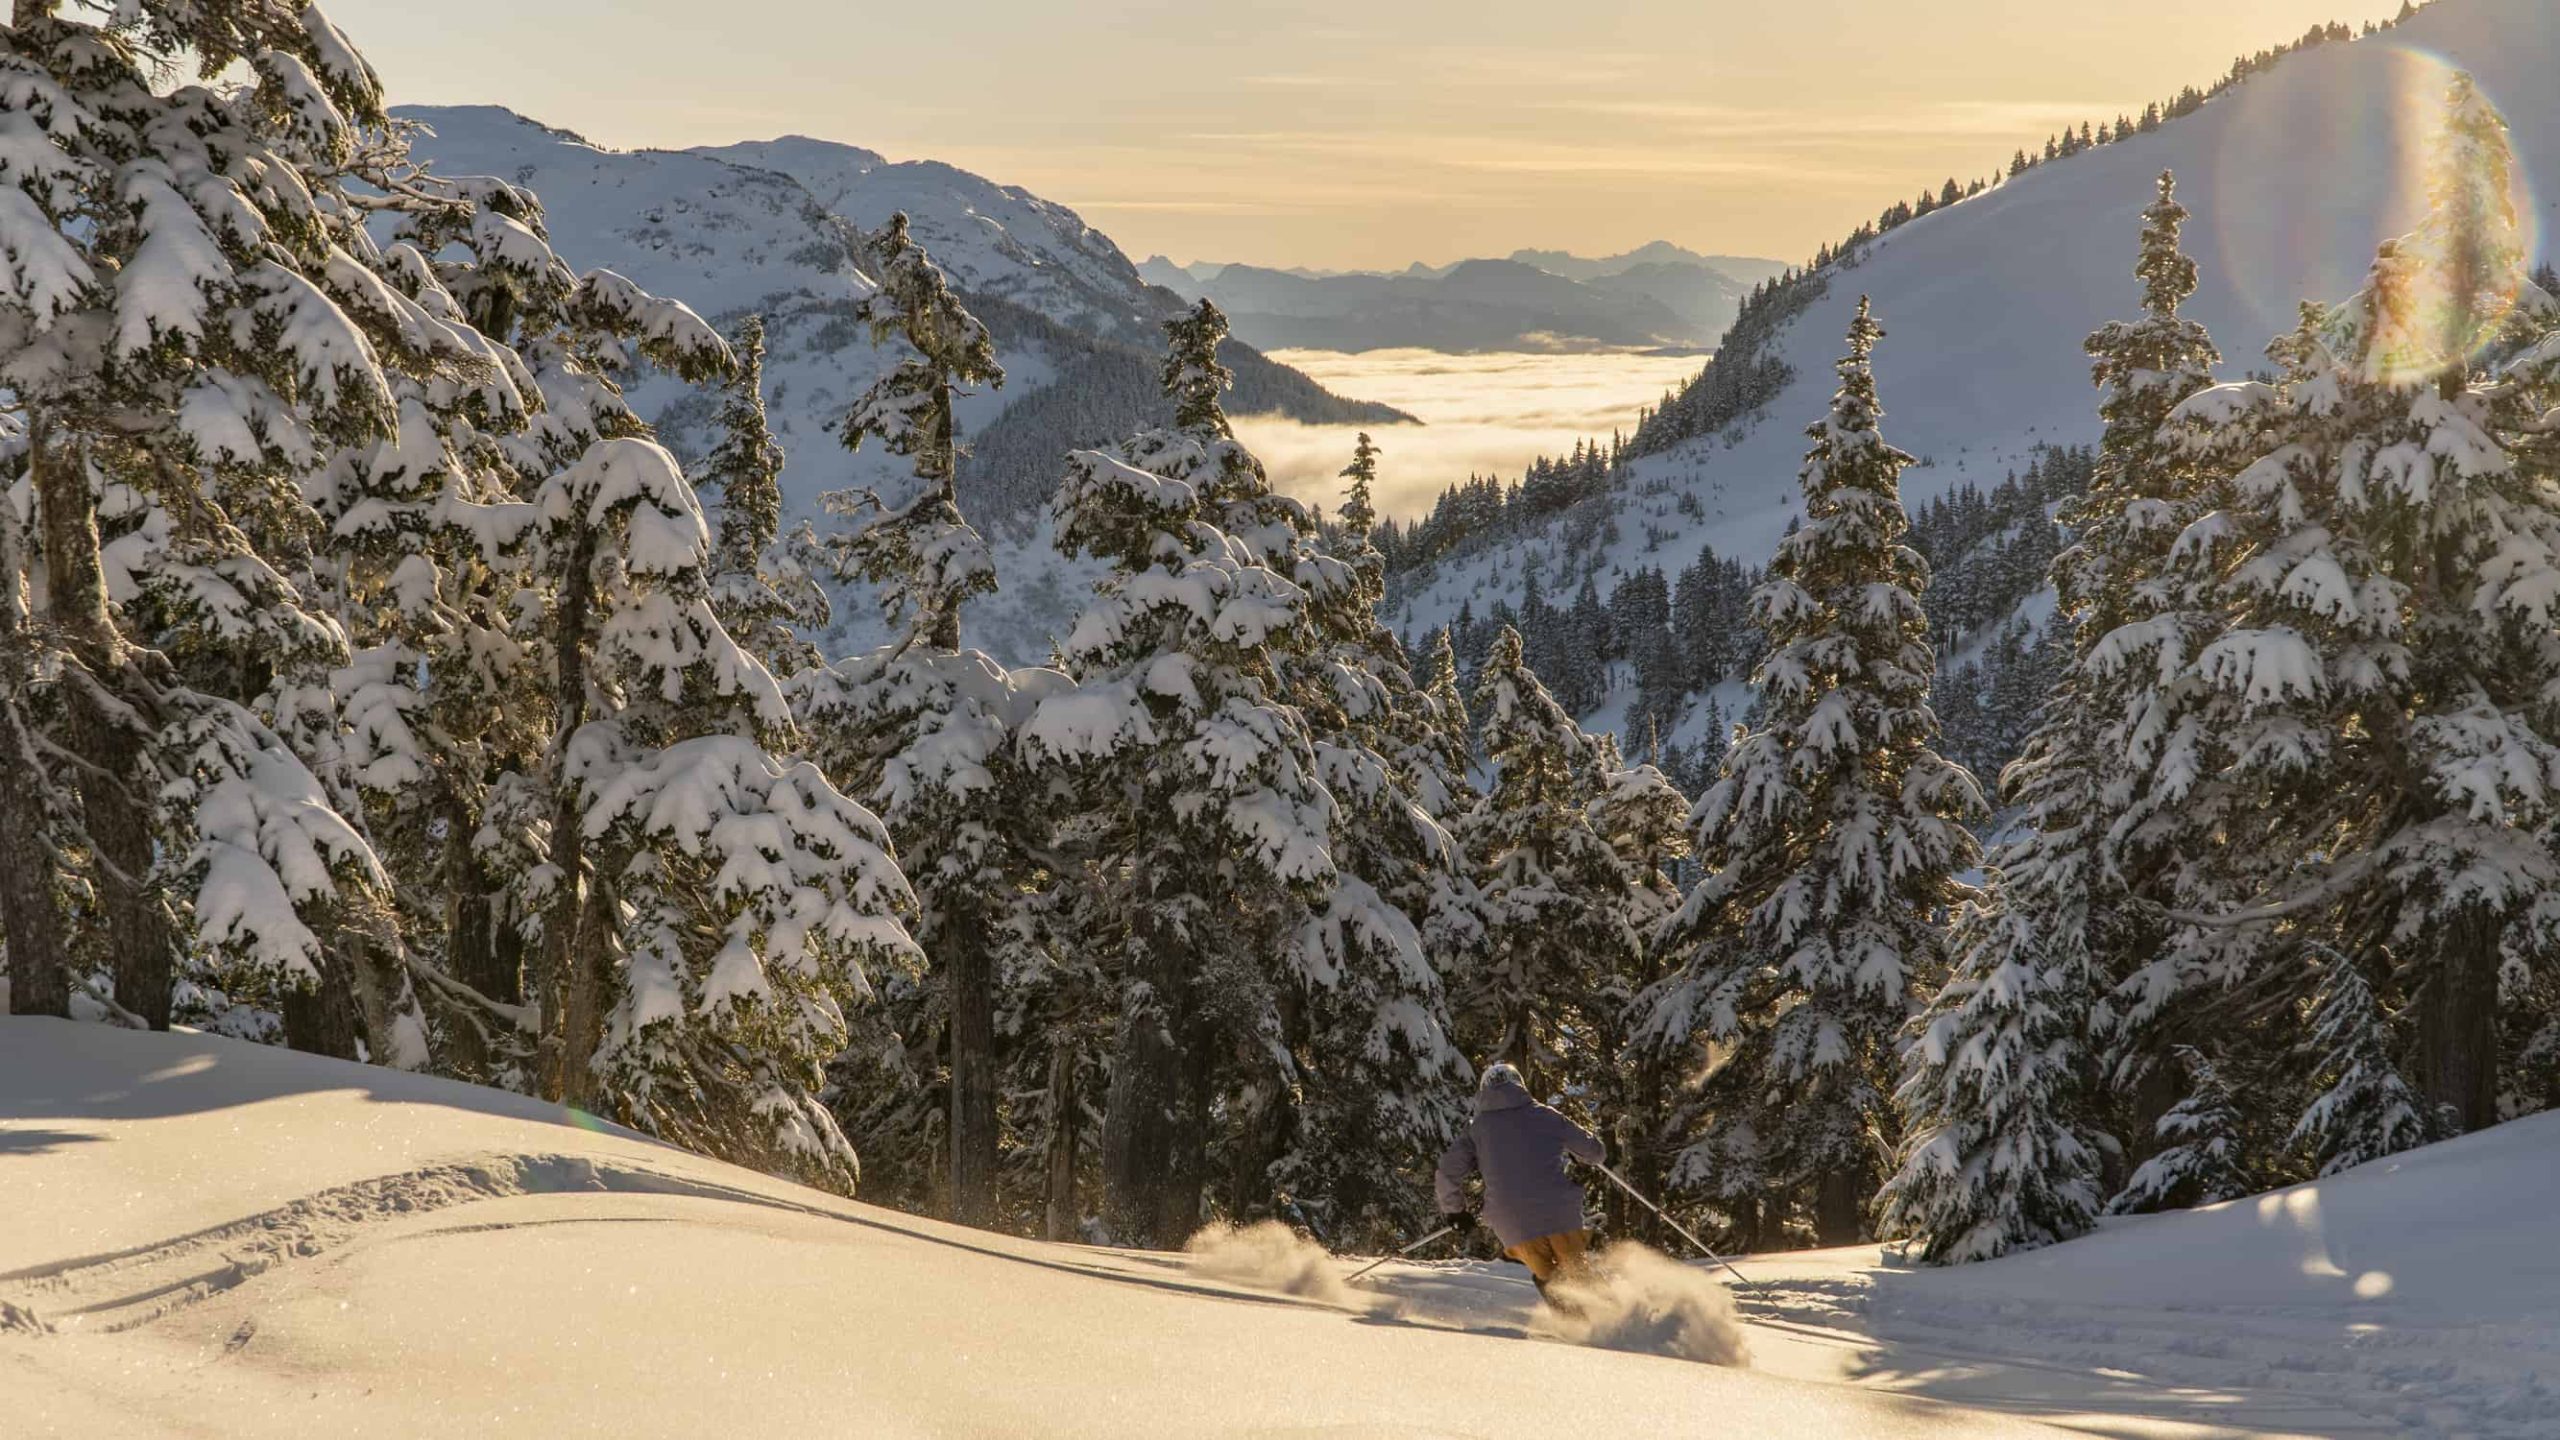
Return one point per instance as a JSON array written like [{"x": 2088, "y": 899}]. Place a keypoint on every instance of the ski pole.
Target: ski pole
[
  {"x": 1409, "y": 1249},
  {"x": 1620, "y": 1181}
]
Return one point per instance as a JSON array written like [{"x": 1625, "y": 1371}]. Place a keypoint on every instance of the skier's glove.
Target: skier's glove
[{"x": 1459, "y": 1221}]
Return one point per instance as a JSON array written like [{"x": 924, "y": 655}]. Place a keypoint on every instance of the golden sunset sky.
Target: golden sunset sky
[{"x": 1338, "y": 134}]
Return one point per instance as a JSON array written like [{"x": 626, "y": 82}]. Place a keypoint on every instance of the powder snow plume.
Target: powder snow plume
[
  {"x": 1269, "y": 1256},
  {"x": 1642, "y": 1300}
]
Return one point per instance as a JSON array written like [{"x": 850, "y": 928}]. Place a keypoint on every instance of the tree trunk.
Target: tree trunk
[
  {"x": 1261, "y": 1135},
  {"x": 1059, "y": 1221},
  {"x": 571, "y": 1013},
  {"x": 1139, "y": 1123},
  {"x": 582, "y": 1016},
  {"x": 388, "y": 1016},
  {"x": 320, "y": 1019},
  {"x": 1647, "y": 1169},
  {"x": 1750, "y": 1224},
  {"x": 482, "y": 952},
  {"x": 1189, "y": 1183},
  {"x": 470, "y": 925},
  {"x": 39, "y": 961},
  {"x": 1839, "y": 1206},
  {"x": 2458, "y": 1021},
  {"x": 117, "y": 819},
  {"x": 39, "y": 958},
  {"x": 970, "y": 978}
]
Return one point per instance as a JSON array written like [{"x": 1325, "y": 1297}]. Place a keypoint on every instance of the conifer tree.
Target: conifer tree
[
  {"x": 930, "y": 729},
  {"x": 1831, "y": 845},
  {"x": 923, "y": 553},
  {"x": 2366, "y": 1109},
  {"x": 1644, "y": 819},
  {"x": 2374, "y": 696},
  {"x": 2001, "y": 1151},
  {"x": 1193, "y": 776},
  {"x": 1556, "y": 918},
  {"x": 1377, "y": 1100},
  {"x": 2203, "y": 1160},
  {"x": 698, "y": 910},
  {"x": 195, "y": 321},
  {"x": 1996, "y": 1157},
  {"x": 760, "y": 585}
]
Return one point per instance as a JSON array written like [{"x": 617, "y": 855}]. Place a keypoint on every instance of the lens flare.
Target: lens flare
[{"x": 2430, "y": 271}]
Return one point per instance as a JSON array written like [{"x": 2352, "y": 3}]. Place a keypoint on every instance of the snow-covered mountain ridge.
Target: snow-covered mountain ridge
[
  {"x": 769, "y": 227},
  {"x": 2293, "y": 178},
  {"x": 1658, "y": 295}
]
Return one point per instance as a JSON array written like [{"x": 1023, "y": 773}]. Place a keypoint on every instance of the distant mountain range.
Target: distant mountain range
[{"x": 1658, "y": 295}]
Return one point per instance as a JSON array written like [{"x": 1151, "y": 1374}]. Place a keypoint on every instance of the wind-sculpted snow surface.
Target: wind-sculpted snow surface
[{"x": 1639, "y": 1299}]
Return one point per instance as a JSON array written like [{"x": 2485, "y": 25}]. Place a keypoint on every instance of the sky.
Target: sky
[{"x": 1359, "y": 133}]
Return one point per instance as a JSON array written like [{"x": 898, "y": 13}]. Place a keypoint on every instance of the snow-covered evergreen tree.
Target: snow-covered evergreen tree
[
  {"x": 1195, "y": 778},
  {"x": 2001, "y": 1152},
  {"x": 2201, "y": 1160},
  {"x": 1452, "y": 746},
  {"x": 760, "y": 583},
  {"x": 1380, "y": 1081},
  {"x": 929, "y": 730},
  {"x": 922, "y": 552},
  {"x": 2375, "y": 699},
  {"x": 1995, "y": 1157},
  {"x": 1557, "y": 920},
  {"x": 2367, "y": 1109},
  {"x": 194, "y": 320},
  {"x": 1642, "y": 816},
  {"x": 1831, "y": 845}
]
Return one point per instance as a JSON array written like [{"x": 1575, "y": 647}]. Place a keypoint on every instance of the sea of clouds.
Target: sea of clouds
[{"x": 1481, "y": 414}]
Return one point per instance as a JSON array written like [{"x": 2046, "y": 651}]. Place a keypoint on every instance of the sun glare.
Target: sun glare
[{"x": 2435, "y": 265}]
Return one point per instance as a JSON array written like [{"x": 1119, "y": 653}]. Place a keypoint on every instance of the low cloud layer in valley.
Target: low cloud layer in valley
[{"x": 1482, "y": 414}]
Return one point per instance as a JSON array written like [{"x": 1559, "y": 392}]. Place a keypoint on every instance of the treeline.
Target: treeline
[{"x": 1487, "y": 506}]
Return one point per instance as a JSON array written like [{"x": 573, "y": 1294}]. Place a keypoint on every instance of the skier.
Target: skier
[{"x": 1520, "y": 1147}]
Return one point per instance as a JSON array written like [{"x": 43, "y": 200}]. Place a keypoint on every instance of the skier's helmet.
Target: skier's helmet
[{"x": 1501, "y": 1073}]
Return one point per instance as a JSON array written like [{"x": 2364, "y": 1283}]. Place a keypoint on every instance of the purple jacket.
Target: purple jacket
[{"x": 1520, "y": 1146}]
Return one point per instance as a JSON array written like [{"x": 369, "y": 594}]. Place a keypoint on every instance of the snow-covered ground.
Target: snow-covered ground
[{"x": 207, "y": 1237}]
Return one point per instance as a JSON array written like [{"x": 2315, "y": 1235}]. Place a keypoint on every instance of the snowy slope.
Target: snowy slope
[
  {"x": 769, "y": 227},
  {"x": 2293, "y": 178},
  {"x": 210, "y": 1238},
  {"x": 997, "y": 240}
]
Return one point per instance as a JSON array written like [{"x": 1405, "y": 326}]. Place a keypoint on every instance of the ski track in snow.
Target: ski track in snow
[{"x": 215, "y": 1237}]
